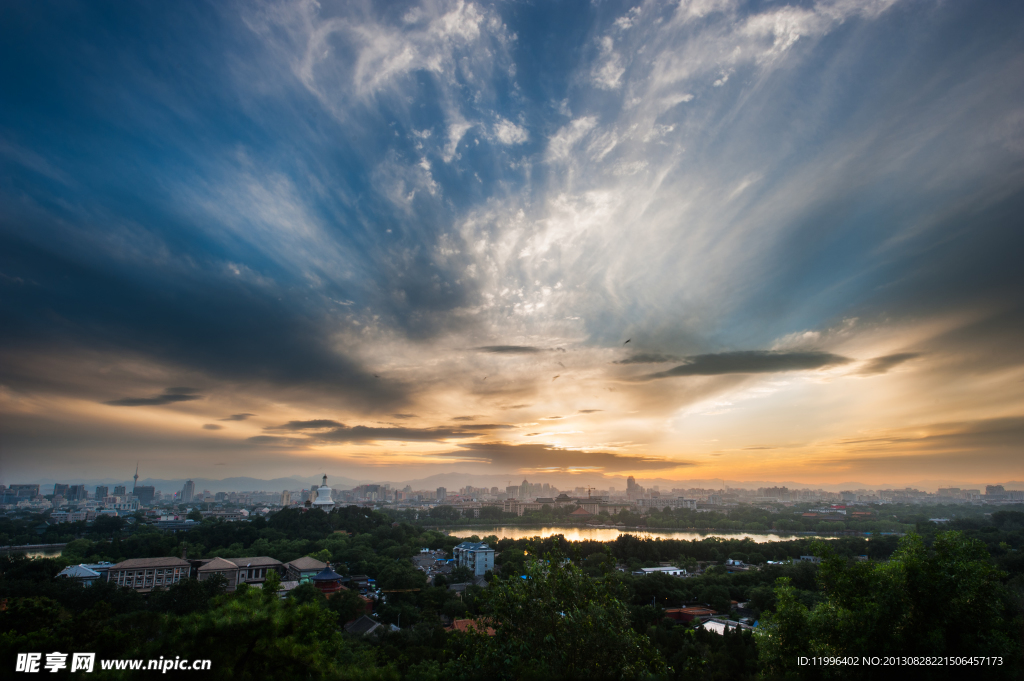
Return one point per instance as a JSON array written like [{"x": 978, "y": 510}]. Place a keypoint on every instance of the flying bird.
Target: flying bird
[
  {"x": 556, "y": 377},
  {"x": 627, "y": 341}
]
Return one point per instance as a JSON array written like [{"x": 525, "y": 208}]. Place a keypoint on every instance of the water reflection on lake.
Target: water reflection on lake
[
  {"x": 35, "y": 553},
  {"x": 610, "y": 534}
]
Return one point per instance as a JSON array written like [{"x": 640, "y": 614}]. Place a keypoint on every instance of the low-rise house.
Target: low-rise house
[
  {"x": 80, "y": 574},
  {"x": 466, "y": 625},
  {"x": 303, "y": 568},
  {"x": 146, "y": 574},
  {"x": 364, "y": 626},
  {"x": 690, "y": 614},
  {"x": 670, "y": 570}
]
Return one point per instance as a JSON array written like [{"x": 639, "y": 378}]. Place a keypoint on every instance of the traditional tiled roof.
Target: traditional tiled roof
[
  {"x": 580, "y": 511},
  {"x": 139, "y": 563},
  {"x": 470, "y": 625},
  {"x": 327, "y": 575},
  {"x": 307, "y": 563}
]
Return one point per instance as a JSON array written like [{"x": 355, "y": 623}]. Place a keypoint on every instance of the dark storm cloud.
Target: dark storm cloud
[
  {"x": 169, "y": 396},
  {"x": 750, "y": 362},
  {"x": 212, "y": 426},
  {"x": 511, "y": 349},
  {"x": 238, "y": 417},
  {"x": 880, "y": 365},
  {"x": 138, "y": 256},
  {"x": 649, "y": 358},
  {"x": 541, "y": 456}
]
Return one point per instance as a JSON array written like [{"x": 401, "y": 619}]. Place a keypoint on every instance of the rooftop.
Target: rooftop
[
  {"x": 307, "y": 563},
  {"x": 136, "y": 563}
]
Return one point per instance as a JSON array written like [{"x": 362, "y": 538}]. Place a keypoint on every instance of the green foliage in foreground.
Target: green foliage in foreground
[
  {"x": 947, "y": 601},
  {"x": 555, "y": 622}
]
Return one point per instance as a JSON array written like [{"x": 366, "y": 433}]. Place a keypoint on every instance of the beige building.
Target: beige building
[
  {"x": 146, "y": 574},
  {"x": 240, "y": 570},
  {"x": 301, "y": 568}
]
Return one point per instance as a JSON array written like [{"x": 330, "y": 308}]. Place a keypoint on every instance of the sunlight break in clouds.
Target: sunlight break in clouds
[{"x": 684, "y": 239}]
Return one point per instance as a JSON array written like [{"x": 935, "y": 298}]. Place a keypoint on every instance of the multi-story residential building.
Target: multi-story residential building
[
  {"x": 146, "y": 574},
  {"x": 61, "y": 490},
  {"x": 120, "y": 491},
  {"x": 101, "y": 492},
  {"x": 442, "y": 493},
  {"x": 77, "y": 493},
  {"x": 476, "y": 556}
]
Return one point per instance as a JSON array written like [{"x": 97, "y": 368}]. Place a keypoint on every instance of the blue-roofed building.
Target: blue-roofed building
[
  {"x": 79, "y": 573},
  {"x": 476, "y": 556}
]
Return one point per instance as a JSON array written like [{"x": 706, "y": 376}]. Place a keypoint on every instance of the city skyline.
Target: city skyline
[{"x": 679, "y": 241}]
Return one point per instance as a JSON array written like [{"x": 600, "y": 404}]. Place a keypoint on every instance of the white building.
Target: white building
[
  {"x": 477, "y": 557},
  {"x": 671, "y": 571},
  {"x": 323, "y": 497}
]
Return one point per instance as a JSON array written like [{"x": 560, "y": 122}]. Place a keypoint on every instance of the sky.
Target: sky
[{"x": 679, "y": 240}]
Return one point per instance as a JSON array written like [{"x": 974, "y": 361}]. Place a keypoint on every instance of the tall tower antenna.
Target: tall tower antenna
[{"x": 136, "y": 474}]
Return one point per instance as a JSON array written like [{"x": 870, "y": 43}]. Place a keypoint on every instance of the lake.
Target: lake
[
  {"x": 611, "y": 534},
  {"x": 36, "y": 551}
]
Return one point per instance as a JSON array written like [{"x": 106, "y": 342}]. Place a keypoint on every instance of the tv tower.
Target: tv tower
[{"x": 136, "y": 477}]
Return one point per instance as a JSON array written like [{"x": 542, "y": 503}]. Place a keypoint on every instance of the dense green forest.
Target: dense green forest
[{"x": 557, "y": 609}]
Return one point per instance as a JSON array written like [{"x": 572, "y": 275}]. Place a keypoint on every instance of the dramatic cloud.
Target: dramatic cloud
[
  {"x": 880, "y": 365},
  {"x": 169, "y": 396},
  {"x": 540, "y": 458},
  {"x": 341, "y": 207},
  {"x": 750, "y": 362},
  {"x": 326, "y": 431}
]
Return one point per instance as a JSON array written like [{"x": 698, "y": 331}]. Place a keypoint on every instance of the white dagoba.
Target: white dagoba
[{"x": 323, "y": 499}]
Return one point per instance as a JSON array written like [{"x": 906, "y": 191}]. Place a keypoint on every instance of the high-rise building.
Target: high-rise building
[
  {"x": 24, "y": 491},
  {"x": 101, "y": 492},
  {"x": 286, "y": 498},
  {"x": 145, "y": 494},
  {"x": 120, "y": 491},
  {"x": 512, "y": 492},
  {"x": 77, "y": 493},
  {"x": 442, "y": 493},
  {"x": 524, "y": 490},
  {"x": 188, "y": 491},
  {"x": 61, "y": 490}
]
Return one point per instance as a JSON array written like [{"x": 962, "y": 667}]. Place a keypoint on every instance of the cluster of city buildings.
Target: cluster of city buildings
[{"x": 69, "y": 502}]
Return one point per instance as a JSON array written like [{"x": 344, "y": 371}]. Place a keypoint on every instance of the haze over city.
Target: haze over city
[{"x": 562, "y": 241}]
